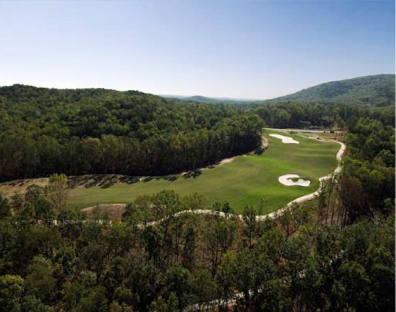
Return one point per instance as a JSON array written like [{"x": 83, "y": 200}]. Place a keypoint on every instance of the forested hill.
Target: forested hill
[
  {"x": 210, "y": 100},
  {"x": 377, "y": 90},
  {"x": 43, "y": 131},
  {"x": 200, "y": 99}
]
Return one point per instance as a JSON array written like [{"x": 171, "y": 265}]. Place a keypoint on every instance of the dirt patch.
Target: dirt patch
[
  {"x": 20, "y": 186},
  {"x": 113, "y": 210}
]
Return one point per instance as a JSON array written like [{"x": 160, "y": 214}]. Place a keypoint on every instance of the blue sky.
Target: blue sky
[{"x": 255, "y": 49}]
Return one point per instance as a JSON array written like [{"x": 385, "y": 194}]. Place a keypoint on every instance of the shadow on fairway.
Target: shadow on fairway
[
  {"x": 169, "y": 178},
  {"x": 100, "y": 180},
  {"x": 192, "y": 174}
]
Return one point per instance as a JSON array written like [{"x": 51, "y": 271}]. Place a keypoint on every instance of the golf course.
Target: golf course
[{"x": 246, "y": 180}]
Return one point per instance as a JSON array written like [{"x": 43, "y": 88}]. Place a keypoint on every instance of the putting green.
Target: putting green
[{"x": 242, "y": 182}]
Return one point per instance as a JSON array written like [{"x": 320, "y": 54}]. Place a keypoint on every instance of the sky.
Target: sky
[{"x": 253, "y": 49}]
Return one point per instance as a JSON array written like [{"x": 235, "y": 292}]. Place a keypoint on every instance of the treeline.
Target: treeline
[
  {"x": 368, "y": 183},
  {"x": 45, "y": 131},
  {"x": 306, "y": 115}
]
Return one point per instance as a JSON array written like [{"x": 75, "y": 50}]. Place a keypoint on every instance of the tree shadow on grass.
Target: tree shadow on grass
[
  {"x": 19, "y": 182},
  {"x": 259, "y": 151},
  {"x": 192, "y": 174},
  {"x": 100, "y": 180},
  {"x": 169, "y": 178}
]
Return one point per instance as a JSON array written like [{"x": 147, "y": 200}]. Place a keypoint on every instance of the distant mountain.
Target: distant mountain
[
  {"x": 200, "y": 99},
  {"x": 377, "y": 90},
  {"x": 204, "y": 99},
  {"x": 195, "y": 98}
]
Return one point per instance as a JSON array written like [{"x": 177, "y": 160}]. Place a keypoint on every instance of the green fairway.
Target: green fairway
[{"x": 242, "y": 182}]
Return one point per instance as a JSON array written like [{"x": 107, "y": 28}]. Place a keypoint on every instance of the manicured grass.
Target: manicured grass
[{"x": 242, "y": 182}]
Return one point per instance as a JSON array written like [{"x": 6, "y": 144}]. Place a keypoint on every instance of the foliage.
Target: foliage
[
  {"x": 337, "y": 256},
  {"x": 377, "y": 90},
  {"x": 45, "y": 131},
  {"x": 293, "y": 114},
  {"x": 83, "y": 263}
]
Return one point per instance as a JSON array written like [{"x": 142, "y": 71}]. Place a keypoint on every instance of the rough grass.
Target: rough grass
[
  {"x": 242, "y": 182},
  {"x": 20, "y": 186}
]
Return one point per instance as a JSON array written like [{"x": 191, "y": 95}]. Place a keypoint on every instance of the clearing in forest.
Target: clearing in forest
[{"x": 244, "y": 181}]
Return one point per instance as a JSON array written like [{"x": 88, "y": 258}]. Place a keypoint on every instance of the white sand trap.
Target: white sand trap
[
  {"x": 286, "y": 180},
  {"x": 285, "y": 139}
]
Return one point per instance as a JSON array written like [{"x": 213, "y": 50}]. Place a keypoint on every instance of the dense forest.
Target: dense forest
[
  {"x": 45, "y": 131},
  {"x": 377, "y": 90},
  {"x": 334, "y": 254},
  {"x": 320, "y": 116},
  {"x": 204, "y": 99}
]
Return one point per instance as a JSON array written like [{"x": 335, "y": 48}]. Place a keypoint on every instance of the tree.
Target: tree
[
  {"x": 251, "y": 226},
  {"x": 58, "y": 191},
  {"x": 274, "y": 297},
  {"x": 40, "y": 281},
  {"x": 32, "y": 304},
  {"x": 11, "y": 289},
  {"x": 153, "y": 243},
  {"x": 292, "y": 219},
  {"x": 5, "y": 210},
  {"x": 160, "y": 305},
  {"x": 116, "y": 307},
  {"x": 204, "y": 287},
  {"x": 219, "y": 236},
  {"x": 246, "y": 272},
  {"x": 93, "y": 300},
  {"x": 190, "y": 244},
  {"x": 179, "y": 281},
  {"x": 351, "y": 289},
  {"x": 17, "y": 202}
]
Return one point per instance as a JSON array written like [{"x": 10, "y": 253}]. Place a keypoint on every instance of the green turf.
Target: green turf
[{"x": 244, "y": 181}]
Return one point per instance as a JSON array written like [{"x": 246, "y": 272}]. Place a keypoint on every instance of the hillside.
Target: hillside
[
  {"x": 377, "y": 90},
  {"x": 44, "y": 131},
  {"x": 194, "y": 98},
  {"x": 208, "y": 100},
  {"x": 200, "y": 99}
]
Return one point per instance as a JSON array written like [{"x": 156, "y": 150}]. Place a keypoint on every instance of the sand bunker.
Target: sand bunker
[
  {"x": 286, "y": 180},
  {"x": 285, "y": 139}
]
